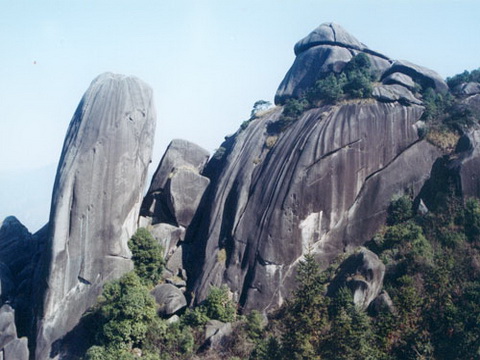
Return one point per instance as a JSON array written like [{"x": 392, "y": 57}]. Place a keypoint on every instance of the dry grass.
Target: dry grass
[{"x": 444, "y": 139}]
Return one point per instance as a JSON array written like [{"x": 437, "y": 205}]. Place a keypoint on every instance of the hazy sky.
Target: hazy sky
[{"x": 207, "y": 61}]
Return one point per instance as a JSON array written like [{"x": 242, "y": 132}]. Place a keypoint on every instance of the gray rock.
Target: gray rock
[
  {"x": 175, "y": 262},
  {"x": 391, "y": 93},
  {"x": 184, "y": 191},
  {"x": 328, "y": 48},
  {"x": 15, "y": 244},
  {"x": 325, "y": 185},
  {"x": 16, "y": 350},
  {"x": 362, "y": 272},
  {"x": 216, "y": 334},
  {"x": 328, "y": 34},
  {"x": 11, "y": 347},
  {"x": 169, "y": 299},
  {"x": 468, "y": 89},
  {"x": 7, "y": 287},
  {"x": 399, "y": 79},
  {"x": 179, "y": 154},
  {"x": 420, "y": 74},
  {"x": 96, "y": 201},
  {"x": 168, "y": 236},
  {"x": 382, "y": 303}
]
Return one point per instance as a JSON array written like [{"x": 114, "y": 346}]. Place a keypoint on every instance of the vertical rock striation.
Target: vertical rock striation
[
  {"x": 322, "y": 185},
  {"x": 95, "y": 203}
]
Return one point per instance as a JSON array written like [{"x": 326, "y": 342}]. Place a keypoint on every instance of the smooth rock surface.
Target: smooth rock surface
[
  {"x": 395, "y": 92},
  {"x": 179, "y": 154},
  {"x": 184, "y": 191},
  {"x": 362, "y": 272},
  {"x": 420, "y": 74},
  {"x": 328, "y": 48},
  {"x": 216, "y": 333},
  {"x": 169, "y": 299},
  {"x": 95, "y": 203},
  {"x": 325, "y": 185},
  {"x": 168, "y": 236},
  {"x": 399, "y": 79},
  {"x": 11, "y": 348}
]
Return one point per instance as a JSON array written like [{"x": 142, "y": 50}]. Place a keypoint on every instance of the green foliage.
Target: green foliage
[
  {"x": 258, "y": 107},
  {"x": 195, "y": 317},
  {"x": 126, "y": 310},
  {"x": 147, "y": 256},
  {"x": 400, "y": 210},
  {"x": 472, "y": 220},
  {"x": 436, "y": 104},
  {"x": 219, "y": 306},
  {"x": 171, "y": 341},
  {"x": 466, "y": 76},
  {"x": 329, "y": 89}
]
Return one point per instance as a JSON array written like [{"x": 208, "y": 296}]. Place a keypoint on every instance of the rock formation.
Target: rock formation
[
  {"x": 95, "y": 203},
  {"x": 362, "y": 273},
  {"x": 322, "y": 185}
]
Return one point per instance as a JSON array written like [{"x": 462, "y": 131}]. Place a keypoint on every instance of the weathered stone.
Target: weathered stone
[
  {"x": 325, "y": 185},
  {"x": 184, "y": 191},
  {"x": 175, "y": 262},
  {"x": 420, "y": 74},
  {"x": 468, "y": 89},
  {"x": 7, "y": 287},
  {"x": 328, "y": 34},
  {"x": 399, "y": 79},
  {"x": 382, "y": 303},
  {"x": 169, "y": 299},
  {"x": 168, "y": 236},
  {"x": 179, "y": 154},
  {"x": 362, "y": 272},
  {"x": 15, "y": 244},
  {"x": 390, "y": 93},
  {"x": 11, "y": 347},
  {"x": 96, "y": 201},
  {"x": 328, "y": 48},
  {"x": 16, "y": 350},
  {"x": 216, "y": 333}
]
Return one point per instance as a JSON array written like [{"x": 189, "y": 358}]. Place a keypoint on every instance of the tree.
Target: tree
[
  {"x": 125, "y": 311},
  {"x": 147, "y": 256},
  {"x": 307, "y": 314}
]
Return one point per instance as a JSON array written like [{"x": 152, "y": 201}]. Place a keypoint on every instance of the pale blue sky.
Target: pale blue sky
[{"x": 207, "y": 61}]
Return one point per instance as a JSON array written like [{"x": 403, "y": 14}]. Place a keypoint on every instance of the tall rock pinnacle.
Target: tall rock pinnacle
[{"x": 95, "y": 203}]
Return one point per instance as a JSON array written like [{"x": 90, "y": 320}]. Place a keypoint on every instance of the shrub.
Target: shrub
[
  {"x": 147, "y": 256},
  {"x": 472, "y": 219},
  {"x": 125, "y": 311},
  {"x": 219, "y": 306},
  {"x": 400, "y": 210},
  {"x": 329, "y": 89},
  {"x": 171, "y": 341}
]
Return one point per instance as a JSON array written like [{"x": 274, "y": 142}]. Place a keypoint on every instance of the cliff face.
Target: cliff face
[
  {"x": 95, "y": 203},
  {"x": 323, "y": 185}
]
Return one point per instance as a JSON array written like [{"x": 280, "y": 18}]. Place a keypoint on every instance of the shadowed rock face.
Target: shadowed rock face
[
  {"x": 96, "y": 201},
  {"x": 323, "y": 185}
]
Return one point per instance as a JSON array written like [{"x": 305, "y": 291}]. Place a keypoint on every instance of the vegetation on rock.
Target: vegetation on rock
[{"x": 147, "y": 256}]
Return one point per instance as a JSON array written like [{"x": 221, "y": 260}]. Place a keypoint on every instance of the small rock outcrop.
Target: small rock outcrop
[
  {"x": 169, "y": 299},
  {"x": 362, "y": 273},
  {"x": 326, "y": 49},
  {"x": 95, "y": 203},
  {"x": 11, "y": 347}
]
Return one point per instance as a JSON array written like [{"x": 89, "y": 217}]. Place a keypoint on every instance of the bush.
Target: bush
[
  {"x": 400, "y": 210},
  {"x": 147, "y": 256},
  {"x": 219, "y": 306},
  {"x": 329, "y": 89},
  {"x": 124, "y": 313},
  {"x": 466, "y": 76},
  {"x": 171, "y": 341},
  {"x": 472, "y": 220}
]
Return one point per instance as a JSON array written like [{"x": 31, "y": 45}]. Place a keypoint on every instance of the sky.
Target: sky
[{"x": 207, "y": 61}]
